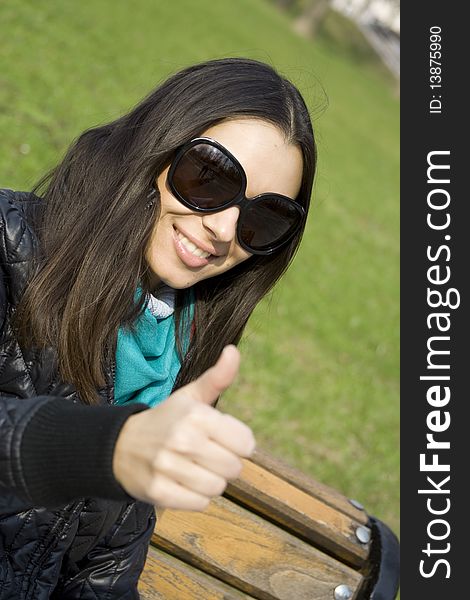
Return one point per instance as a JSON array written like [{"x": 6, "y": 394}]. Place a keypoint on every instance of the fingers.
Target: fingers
[
  {"x": 194, "y": 476},
  {"x": 168, "y": 493},
  {"x": 208, "y": 387},
  {"x": 196, "y": 447},
  {"x": 227, "y": 431},
  {"x": 238, "y": 438},
  {"x": 183, "y": 483},
  {"x": 182, "y": 452}
]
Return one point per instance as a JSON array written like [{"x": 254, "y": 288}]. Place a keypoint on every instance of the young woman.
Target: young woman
[{"x": 127, "y": 277}]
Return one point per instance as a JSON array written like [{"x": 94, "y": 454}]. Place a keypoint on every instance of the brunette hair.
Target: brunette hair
[{"x": 93, "y": 228}]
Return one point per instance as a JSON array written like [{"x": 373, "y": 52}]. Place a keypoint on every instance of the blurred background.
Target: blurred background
[{"x": 319, "y": 380}]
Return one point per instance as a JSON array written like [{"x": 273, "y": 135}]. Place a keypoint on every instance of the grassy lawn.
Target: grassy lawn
[{"x": 320, "y": 360}]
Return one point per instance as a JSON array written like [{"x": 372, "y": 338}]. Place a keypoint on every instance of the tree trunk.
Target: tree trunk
[{"x": 309, "y": 22}]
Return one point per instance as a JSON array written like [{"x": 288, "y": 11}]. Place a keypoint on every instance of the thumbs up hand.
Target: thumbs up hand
[{"x": 181, "y": 453}]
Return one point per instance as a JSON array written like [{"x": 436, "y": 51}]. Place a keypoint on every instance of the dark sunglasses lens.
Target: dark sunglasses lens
[
  {"x": 206, "y": 178},
  {"x": 268, "y": 222}
]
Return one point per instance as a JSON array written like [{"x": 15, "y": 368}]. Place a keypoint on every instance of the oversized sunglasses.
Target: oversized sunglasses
[{"x": 206, "y": 177}]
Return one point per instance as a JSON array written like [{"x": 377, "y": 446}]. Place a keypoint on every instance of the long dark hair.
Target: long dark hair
[{"x": 94, "y": 227}]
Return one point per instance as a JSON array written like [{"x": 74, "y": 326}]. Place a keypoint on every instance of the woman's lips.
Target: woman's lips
[{"x": 186, "y": 256}]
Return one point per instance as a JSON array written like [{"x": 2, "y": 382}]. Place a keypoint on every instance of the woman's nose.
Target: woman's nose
[{"x": 222, "y": 225}]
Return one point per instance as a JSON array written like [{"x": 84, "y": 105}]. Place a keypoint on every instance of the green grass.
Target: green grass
[{"x": 319, "y": 377}]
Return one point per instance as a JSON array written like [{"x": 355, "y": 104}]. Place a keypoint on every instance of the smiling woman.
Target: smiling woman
[
  {"x": 127, "y": 277},
  {"x": 187, "y": 246}
]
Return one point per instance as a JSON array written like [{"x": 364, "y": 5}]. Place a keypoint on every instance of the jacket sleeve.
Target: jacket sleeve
[
  {"x": 53, "y": 451},
  {"x": 113, "y": 567}
]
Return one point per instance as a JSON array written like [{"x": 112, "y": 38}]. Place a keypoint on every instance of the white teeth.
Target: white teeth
[
  {"x": 199, "y": 252},
  {"x": 192, "y": 247},
  {"x": 189, "y": 245}
]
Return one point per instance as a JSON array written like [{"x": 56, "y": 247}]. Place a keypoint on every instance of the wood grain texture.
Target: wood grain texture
[
  {"x": 167, "y": 578},
  {"x": 309, "y": 485},
  {"x": 299, "y": 512},
  {"x": 251, "y": 554}
]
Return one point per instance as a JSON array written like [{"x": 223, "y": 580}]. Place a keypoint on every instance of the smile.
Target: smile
[
  {"x": 190, "y": 254},
  {"x": 195, "y": 250}
]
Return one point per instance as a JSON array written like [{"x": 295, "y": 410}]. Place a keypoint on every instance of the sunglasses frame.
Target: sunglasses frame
[{"x": 240, "y": 200}]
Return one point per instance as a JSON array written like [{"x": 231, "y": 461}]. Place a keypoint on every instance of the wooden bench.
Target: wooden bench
[{"x": 274, "y": 534}]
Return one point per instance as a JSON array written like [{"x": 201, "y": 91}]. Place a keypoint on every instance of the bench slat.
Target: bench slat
[
  {"x": 312, "y": 487},
  {"x": 167, "y": 578},
  {"x": 251, "y": 554},
  {"x": 299, "y": 512}
]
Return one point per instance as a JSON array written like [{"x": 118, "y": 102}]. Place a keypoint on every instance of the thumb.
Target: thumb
[{"x": 208, "y": 386}]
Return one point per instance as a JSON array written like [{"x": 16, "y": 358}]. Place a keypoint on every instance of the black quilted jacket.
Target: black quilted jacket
[{"x": 67, "y": 528}]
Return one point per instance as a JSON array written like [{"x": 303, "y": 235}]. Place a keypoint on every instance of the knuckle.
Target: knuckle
[
  {"x": 198, "y": 410},
  {"x": 161, "y": 462},
  {"x": 181, "y": 441},
  {"x": 157, "y": 491}
]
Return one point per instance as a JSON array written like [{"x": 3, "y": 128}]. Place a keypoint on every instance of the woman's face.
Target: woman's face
[{"x": 270, "y": 166}]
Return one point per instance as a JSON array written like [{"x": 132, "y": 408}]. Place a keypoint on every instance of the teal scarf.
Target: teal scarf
[{"x": 147, "y": 361}]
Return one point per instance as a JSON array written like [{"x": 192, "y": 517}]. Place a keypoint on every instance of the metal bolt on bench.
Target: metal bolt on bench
[{"x": 275, "y": 534}]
